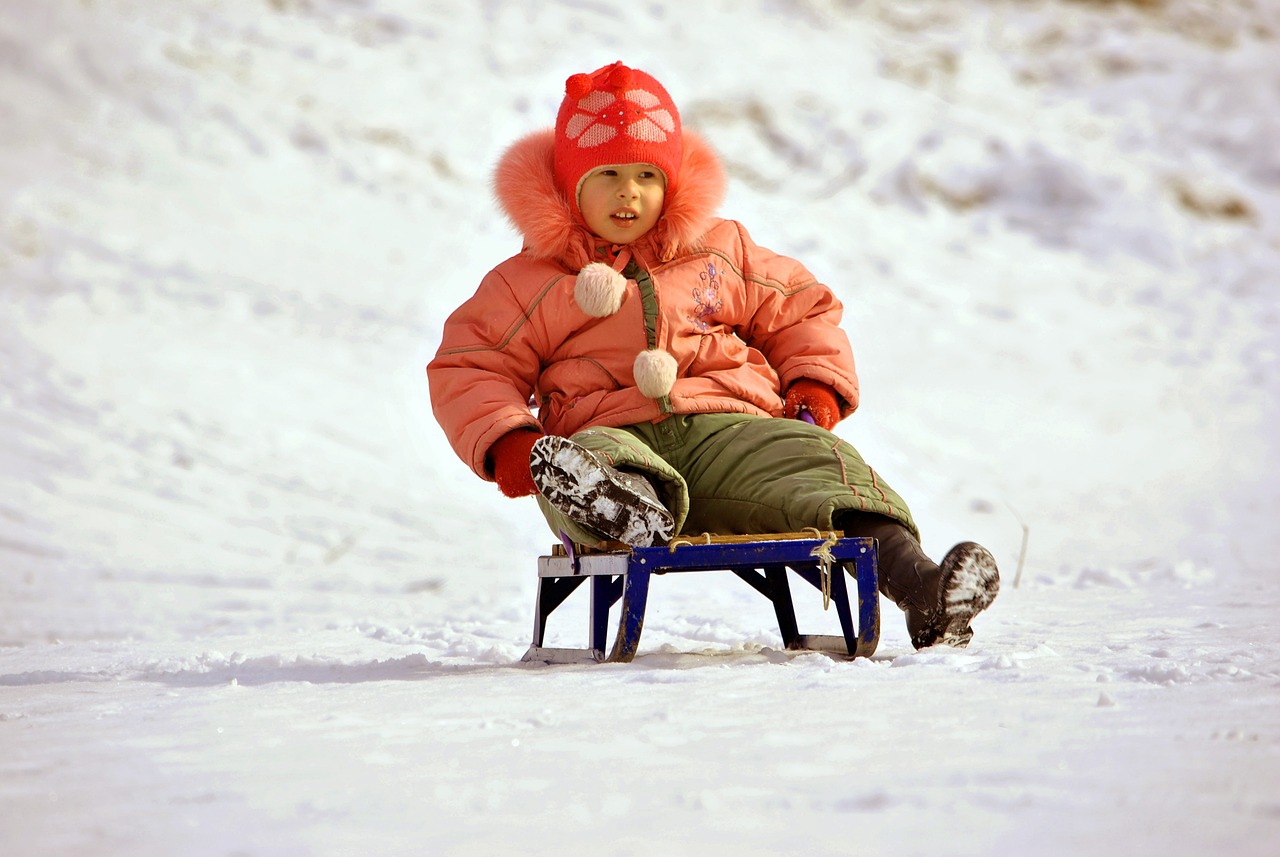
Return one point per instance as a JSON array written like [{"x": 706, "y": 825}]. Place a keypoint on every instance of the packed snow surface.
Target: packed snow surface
[{"x": 252, "y": 604}]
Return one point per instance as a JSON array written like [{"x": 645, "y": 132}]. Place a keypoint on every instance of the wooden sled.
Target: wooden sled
[{"x": 623, "y": 574}]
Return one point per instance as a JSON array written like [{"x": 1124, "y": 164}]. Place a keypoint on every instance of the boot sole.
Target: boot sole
[
  {"x": 591, "y": 493},
  {"x": 970, "y": 582}
]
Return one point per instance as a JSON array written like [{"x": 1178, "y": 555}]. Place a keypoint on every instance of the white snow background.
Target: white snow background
[{"x": 251, "y": 604}]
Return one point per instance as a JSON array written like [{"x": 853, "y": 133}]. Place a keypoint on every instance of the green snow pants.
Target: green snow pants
[{"x": 733, "y": 474}]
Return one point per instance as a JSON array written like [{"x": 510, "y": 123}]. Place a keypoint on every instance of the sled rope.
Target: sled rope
[
  {"x": 825, "y": 559},
  {"x": 679, "y": 542}
]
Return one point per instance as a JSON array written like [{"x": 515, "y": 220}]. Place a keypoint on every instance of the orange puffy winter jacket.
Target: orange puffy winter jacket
[{"x": 693, "y": 317}]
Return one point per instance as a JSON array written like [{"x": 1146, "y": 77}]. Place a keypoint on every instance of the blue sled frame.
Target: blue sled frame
[{"x": 761, "y": 561}]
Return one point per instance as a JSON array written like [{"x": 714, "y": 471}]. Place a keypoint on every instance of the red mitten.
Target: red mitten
[
  {"x": 508, "y": 460},
  {"x": 817, "y": 398}
]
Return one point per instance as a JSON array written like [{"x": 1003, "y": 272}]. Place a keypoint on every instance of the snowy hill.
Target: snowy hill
[{"x": 251, "y": 603}]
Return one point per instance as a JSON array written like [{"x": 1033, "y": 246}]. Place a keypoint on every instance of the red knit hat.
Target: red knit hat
[{"x": 615, "y": 115}]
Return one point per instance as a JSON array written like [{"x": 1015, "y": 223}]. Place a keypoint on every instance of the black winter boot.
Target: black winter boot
[
  {"x": 940, "y": 600},
  {"x": 619, "y": 505}
]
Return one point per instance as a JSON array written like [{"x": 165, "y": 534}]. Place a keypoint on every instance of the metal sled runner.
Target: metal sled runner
[{"x": 762, "y": 561}]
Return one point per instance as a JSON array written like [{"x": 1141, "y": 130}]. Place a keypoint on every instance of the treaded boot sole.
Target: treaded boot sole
[
  {"x": 970, "y": 582},
  {"x": 581, "y": 486}
]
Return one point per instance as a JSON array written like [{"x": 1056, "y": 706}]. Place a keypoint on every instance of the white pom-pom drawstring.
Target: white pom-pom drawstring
[
  {"x": 599, "y": 289},
  {"x": 655, "y": 372}
]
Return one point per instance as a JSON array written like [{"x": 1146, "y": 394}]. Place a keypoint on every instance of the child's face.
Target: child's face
[{"x": 622, "y": 202}]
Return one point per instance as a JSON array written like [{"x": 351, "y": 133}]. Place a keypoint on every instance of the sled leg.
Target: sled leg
[
  {"x": 635, "y": 597},
  {"x": 599, "y": 616},
  {"x": 783, "y": 607},
  {"x": 864, "y": 570},
  {"x": 840, "y": 597}
]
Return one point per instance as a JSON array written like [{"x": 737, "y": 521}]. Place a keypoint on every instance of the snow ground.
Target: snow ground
[{"x": 251, "y": 604}]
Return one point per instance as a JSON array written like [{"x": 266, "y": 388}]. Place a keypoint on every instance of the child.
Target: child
[{"x": 686, "y": 379}]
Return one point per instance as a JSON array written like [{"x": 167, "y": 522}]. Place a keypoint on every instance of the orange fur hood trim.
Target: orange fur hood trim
[{"x": 524, "y": 183}]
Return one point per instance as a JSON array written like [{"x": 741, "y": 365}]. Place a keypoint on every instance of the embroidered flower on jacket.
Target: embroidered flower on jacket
[
  {"x": 601, "y": 116},
  {"x": 707, "y": 298}
]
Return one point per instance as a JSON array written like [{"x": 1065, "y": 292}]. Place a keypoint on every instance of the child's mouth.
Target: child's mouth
[{"x": 624, "y": 218}]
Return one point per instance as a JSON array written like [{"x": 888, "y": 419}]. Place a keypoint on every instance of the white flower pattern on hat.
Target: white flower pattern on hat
[{"x": 600, "y": 115}]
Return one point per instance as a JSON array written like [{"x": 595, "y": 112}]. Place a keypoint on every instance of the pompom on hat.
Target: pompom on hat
[{"x": 615, "y": 115}]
